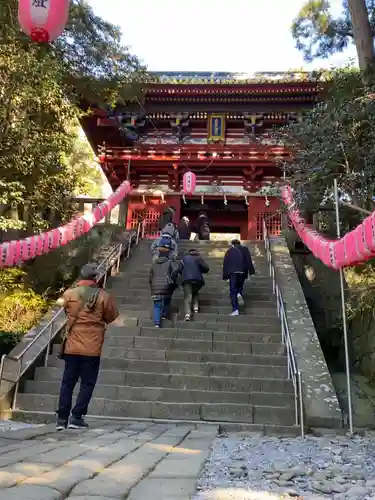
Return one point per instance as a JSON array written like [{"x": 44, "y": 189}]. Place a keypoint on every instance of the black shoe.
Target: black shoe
[
  {"x": 77, "y": 423},
  {"x": 61, "y": 424}
]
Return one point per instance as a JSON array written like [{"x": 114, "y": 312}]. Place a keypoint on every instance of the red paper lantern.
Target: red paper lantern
[
  {"x": 189, "y": 182},
  {"x": 43, "y": 20}
]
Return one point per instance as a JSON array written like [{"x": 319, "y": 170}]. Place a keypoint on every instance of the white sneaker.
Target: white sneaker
[
  {"x": 235, "y": 313},
  {"x": 196, "y": 309},
  {"x": 187, "y": 317},
  {"x": 241, "y": 302}
]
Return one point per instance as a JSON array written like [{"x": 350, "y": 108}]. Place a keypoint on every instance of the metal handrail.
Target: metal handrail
[
  {"x": 293, "y": 372},
  {"x": 111, "y": 260}
]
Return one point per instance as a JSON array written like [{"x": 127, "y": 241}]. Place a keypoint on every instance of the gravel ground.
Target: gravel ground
[{"x": 316, "y": 468}]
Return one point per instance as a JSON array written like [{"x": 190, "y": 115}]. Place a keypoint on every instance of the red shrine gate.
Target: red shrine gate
[
  {"x": 249, "y": 225},
  {"x": 218, "y": 125}
]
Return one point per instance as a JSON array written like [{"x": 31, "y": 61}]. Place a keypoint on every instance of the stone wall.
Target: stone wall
[{"x": 320, "y": 399}]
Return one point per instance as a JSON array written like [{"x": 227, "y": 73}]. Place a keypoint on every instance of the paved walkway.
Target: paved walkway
[{"x": 113, "y": 461}]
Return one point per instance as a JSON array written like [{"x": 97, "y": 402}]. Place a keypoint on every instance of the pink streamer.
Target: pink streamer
[
  {"x": 354, "y": 248},
  {"x": 12, "y": 253}
]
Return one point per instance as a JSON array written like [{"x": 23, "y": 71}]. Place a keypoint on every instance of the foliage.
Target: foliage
[
  {"x": 20, "y": 307},
  {"x": 52, "y": 273},
  {"x": 11, "y": 280},
  {"x": 82, "y": 159},
  {"x": 361, "y": 280},
  {"x": 335, "y": 139},
  {"x": 40, "y": 86},
  {"x": 318, "y": 34},
  {"x": 20, "y": 310}
]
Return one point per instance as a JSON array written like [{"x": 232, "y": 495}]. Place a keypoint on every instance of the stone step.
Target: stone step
[
  {"x": 211, "y": 277},
  {"x": 115, "y": 392},
  {"x": 136, "y": 315},
  {"x": 221, "y": 289},
  {"x": 179, "y": 381},
  {"x": 211, "y": 285},
  {"x": 251, "y": 304},
  {"x": 208, "y": 335},
  {"x": 194, "y": 335},
  {"x": 225, "y": 427},
  {"x": 213, "y": 262},
  {"x": 207, "y": 292},
  {"x": 247, "y": 313},
  {"x": 126, "y": 272},
  {"x": 224, "y": 326},
  {"x": 190, "y": 346},
  {"x": 172, "y": 354},
  {"x": 162, "y": 410},
  {"x": 139, "y": 313},
  {"x": 205, "y": 369}
]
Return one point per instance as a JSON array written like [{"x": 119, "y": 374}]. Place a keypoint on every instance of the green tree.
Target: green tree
[
  {"x": 40, "y": 89},
  {"x": 318, "y": 34},
  {"x": 83, "y": 160},
  {"x": 336, "y": 140}
]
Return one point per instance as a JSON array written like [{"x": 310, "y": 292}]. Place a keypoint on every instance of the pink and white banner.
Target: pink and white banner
[
  {"x": 13, "y": 253},
  {"x": 353, "y": 248}
]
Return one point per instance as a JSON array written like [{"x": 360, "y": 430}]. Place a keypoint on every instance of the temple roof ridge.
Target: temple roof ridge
[{"x": 215, "y": 77}]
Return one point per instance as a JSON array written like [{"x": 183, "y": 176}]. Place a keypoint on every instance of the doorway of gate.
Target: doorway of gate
[{"x": 226, "y": 221}]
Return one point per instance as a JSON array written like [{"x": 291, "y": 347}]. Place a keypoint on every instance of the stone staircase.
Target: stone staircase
[{"x": 215, "y": 368}]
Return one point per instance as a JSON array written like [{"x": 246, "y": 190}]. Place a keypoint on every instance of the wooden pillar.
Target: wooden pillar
[
  {"x": 175, "y": 201},
  {"x": 251, "y": 222}
]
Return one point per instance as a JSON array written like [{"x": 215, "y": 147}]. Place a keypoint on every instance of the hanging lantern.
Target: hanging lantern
[
  {"x": 189, "y": 182},
  {"x": 43, "y": 20}
]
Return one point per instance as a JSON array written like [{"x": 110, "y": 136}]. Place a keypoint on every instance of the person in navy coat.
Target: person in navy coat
[
  {"x": 237, "y": 266},
  {"x": 192, "y": 267}
]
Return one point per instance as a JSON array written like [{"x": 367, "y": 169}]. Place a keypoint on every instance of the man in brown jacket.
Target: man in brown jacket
[{"x": 89, "y": 309}]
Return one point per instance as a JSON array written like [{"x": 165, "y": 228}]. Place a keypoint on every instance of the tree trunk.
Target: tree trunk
[{"x": 362, "y": 33}]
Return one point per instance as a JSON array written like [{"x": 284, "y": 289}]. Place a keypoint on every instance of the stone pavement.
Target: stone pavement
[{"x": 132, "y": 460}]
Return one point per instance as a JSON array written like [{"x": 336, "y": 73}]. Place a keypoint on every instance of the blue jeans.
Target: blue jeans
[
  {"x": 236, "y": 284},
  {"x": 161, "y": 309},
  {"x": 77, "y": 367}
]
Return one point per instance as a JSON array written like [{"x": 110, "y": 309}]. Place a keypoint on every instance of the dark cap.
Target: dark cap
[{"x": 89, "y": 272}]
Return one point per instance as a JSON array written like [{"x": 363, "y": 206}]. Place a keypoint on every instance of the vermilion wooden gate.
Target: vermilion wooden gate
[
  {"x": 273, "y": 222},
  {"x": 151, "y": 219}
]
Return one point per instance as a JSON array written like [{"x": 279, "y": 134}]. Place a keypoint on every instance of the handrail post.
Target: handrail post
[
  {"x": 2, "y": 367},
  {"x": 14, "y": 402},
  {"x": 105, "y": 278},
  {"x": 300, "y": 391},
  {"x": 119, "y": 259},
  {"x": 46, "y": 357}
]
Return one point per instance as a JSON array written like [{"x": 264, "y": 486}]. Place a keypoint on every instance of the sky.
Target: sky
[{"x": 212, "y": 35}]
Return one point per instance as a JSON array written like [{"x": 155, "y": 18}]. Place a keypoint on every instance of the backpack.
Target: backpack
[{"x": 165, "y": 242}]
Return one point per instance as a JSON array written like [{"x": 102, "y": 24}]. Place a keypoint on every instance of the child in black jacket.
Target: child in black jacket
[{"x": 162, "y": 279}]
